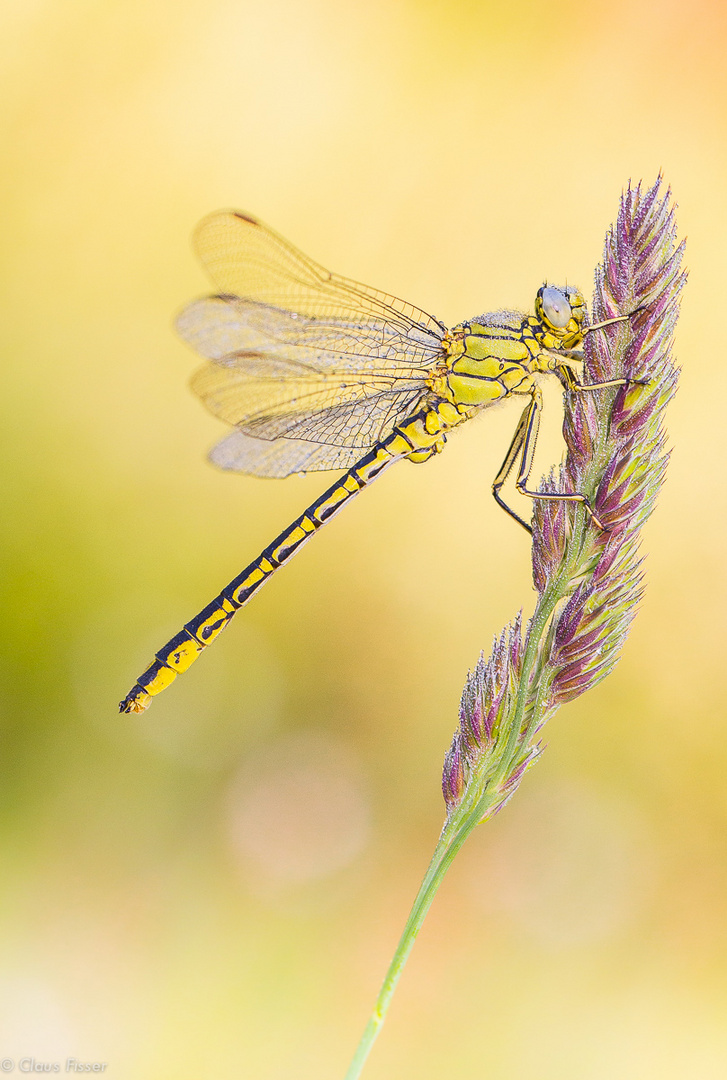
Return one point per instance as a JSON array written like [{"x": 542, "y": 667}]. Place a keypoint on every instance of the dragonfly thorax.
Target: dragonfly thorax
[{"x": 499, "y": 354}]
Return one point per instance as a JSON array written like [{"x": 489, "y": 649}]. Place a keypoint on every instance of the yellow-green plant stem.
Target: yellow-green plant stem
[
  {"x": 453, "y": 836},
  {"x": 483, "y": 796}
]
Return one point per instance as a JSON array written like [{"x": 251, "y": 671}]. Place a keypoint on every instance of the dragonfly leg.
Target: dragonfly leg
[
  {"x": 570, "y": 382},
  {"x": 531, "y": 418},
  {"x": 610, "y": 322},
  {"x": 567, "y": 376},
  {"x": 506, "y": 468},
  {"x": 523, "y": 447}
]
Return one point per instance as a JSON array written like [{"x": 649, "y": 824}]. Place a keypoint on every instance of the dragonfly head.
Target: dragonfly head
[{"x": 562, "y": 315}]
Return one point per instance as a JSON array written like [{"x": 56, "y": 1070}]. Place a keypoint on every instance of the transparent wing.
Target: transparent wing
[
  {"x": 226, "y": 328},
  {"x": 276, "y": 375},
  {"x": 356, "y": 410},
  {"x": 317, "y": 366},
  {"x": 281, "y": 457},
  {"x": 249, "y": 260}
]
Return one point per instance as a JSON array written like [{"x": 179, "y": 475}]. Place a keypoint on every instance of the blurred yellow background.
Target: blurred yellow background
[{"x": 214, "y": 889}]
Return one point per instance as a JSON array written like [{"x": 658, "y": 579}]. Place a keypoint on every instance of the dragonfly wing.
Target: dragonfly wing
[
  {"x": 339, "y": 409},
  {"x": 277, "y": 375},
  {"x": 281, "y": 457},
  {"x": 317, "y": 366},
  {"x": 225, "y": 327},
  {"x": 248, "y": 260}
]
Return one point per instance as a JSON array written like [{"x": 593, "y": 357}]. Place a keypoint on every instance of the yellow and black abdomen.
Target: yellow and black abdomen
[{"x": 419, "y": 436}]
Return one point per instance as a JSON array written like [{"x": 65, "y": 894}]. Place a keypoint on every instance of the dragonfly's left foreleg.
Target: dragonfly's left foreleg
[
  {"x": 568, "y": 377},
  {"x": 610, "y": 322}
]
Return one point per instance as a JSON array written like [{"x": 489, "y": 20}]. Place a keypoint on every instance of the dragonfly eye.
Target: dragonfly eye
[{"x": 556, "y": 308}]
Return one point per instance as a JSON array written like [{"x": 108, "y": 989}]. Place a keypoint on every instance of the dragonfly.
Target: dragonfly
[{"x": 318, "y": 372}]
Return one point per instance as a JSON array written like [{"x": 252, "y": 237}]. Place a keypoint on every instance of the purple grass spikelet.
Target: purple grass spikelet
[{"x": 589, "y": 581}]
